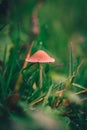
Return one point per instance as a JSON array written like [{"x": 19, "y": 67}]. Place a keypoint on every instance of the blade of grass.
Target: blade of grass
[
  {"x": 4, "y": 58},
  {"x": 78, "y": 68},
  {"x": 47, "y": 96},
  {"x": 40, "y": 99},
  {"x": 9, "y": 77},
  {"x": 19, "y": 80},
  {"x": 2, "y": 88},
  {"x": 83, "y": 91},
  {"x": 70, "y": 61},
  {"x": 78, "y": 85}
]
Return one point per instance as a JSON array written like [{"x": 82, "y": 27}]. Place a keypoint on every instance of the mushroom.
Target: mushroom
[{"x": 40, "y": 57}]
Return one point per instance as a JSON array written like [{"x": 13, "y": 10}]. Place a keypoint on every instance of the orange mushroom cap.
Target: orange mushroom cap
[{"x": 40, "y": 57}]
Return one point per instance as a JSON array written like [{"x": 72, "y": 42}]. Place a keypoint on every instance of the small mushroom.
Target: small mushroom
[{"x": 40, "y": 57}]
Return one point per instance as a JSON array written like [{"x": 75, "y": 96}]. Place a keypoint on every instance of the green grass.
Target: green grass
[{"x": 62, "y": 101}]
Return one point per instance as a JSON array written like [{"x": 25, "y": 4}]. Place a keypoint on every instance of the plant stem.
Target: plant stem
[
  {"x": 40, "y": 75},
  {"x": 20, "y": 77},
  {"x": 71, "y": 62}
]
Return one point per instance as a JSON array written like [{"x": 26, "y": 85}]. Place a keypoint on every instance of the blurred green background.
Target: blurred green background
[{"x": 60, "y": 23}]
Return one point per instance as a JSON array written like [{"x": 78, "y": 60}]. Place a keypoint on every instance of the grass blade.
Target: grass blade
[
  {"x": 70, "y": 61},
  {"x": 4, "y": 58},
  {"x": 47, "y": 96},
  {"x": 78, "y": 85}
]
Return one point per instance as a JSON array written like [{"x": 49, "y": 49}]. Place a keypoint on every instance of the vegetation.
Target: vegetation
[{"x": 59, "y": 28}]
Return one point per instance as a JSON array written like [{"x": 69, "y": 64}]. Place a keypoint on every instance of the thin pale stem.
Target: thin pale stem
[
  {"x": 20, "y": 77},
  {"x": 40, "y": 75}
]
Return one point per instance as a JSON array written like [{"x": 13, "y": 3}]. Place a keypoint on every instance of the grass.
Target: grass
[{"x": 20, "y": 95}]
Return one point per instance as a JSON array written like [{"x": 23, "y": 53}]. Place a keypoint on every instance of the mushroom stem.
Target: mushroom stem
[{"x": 40, "y": 75}]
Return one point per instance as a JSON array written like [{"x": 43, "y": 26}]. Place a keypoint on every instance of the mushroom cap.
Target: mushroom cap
[{"x": 40, "y": 57}]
